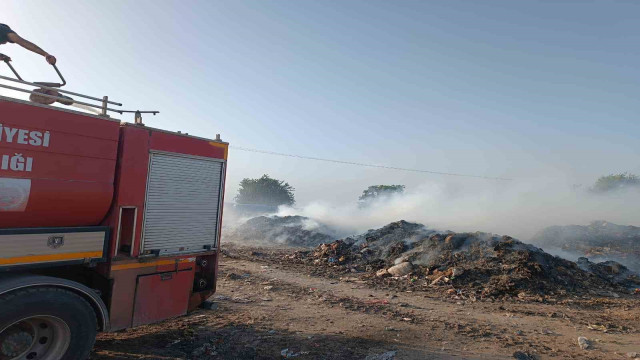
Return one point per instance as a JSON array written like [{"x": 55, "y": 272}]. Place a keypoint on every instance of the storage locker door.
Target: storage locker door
[
  {"x": 183, "y": 204},
  {"x": 151, "y": 307}
]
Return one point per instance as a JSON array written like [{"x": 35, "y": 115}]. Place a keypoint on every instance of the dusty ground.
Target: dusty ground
[{"x": 273, "y": 309}]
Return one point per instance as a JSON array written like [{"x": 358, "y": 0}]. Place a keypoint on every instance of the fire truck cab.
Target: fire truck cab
[{"x": 104, "y": 224}]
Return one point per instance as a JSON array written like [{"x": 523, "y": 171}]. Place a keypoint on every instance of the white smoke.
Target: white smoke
[{"x": 517, "y": 209}]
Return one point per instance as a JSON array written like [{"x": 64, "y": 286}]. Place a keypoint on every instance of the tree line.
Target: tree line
[
  {"x": 273, "y": 192},
  {"x": 268, "y": 191}
]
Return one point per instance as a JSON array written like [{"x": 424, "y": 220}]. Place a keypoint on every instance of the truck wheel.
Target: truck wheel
[{"x": 46, "y": 324}]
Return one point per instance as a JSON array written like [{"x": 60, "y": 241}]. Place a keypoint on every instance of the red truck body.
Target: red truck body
[
  {"x": 70, "y": 181},
  {"x": 131, "y": 212}
]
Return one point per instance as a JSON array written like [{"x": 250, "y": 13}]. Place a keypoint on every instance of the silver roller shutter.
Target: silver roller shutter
[{"x": 183, "y": 204}]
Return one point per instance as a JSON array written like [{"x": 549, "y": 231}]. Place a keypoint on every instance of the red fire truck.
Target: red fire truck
[{"x": 104, "y": 224}]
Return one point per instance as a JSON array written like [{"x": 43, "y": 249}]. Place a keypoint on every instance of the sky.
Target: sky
[{"x": 537, "y": 91}]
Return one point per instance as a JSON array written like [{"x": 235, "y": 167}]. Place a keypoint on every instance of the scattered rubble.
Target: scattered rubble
[
  {"x": 584, "y": 343},
  {"x": 473, "y": 264},
  {"x": 401, "y": 269},
  {"x": 521, "y": 355},
  {"x": 382, "y": 272},
  {"x": 457, "y": 272}
]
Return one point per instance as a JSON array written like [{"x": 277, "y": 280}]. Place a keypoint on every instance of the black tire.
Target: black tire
[{"x": 61, "y": 304}]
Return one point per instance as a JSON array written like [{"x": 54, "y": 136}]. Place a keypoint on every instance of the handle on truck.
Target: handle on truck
[
  {"x": 56, "y": 85},
  {"x": 7, "y": 60}
]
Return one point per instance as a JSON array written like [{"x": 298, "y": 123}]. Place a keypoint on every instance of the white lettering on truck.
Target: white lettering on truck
[
  {"x": 10, "y": 133},
  {"x": 36, "y": 138},
  {"x": 16, "y": 163},
  {"x": 23, "y": 136}
]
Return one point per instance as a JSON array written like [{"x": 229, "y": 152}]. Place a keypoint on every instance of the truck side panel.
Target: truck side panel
[{"x": 132, "y": 301}]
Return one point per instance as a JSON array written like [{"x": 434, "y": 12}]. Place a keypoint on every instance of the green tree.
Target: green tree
[
  {"x": 616, "y": 182},
  {"x": 376, "y": 191},
  {"x": 265, "y": 191}
]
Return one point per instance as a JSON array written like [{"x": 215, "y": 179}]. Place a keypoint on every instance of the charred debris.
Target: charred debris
[{"x": 476, "y": 265}]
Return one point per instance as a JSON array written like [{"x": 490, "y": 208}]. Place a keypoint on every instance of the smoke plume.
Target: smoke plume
[{"x": 509, "y": 208}]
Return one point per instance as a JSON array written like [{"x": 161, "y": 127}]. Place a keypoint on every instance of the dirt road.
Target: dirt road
[{"x": 268, "y": 309}]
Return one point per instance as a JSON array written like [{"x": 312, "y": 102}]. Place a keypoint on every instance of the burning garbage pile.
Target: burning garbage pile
[
  {"x": 598, "y": 241},
  {"x": 478, "y": 264},
  {"x": 296, "y": 231}
]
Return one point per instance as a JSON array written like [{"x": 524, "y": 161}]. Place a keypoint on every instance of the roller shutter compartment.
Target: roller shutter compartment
[{"x": 182, "y": 211}]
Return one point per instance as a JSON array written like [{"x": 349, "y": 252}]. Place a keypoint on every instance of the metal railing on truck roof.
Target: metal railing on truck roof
[{"x": 55, "y": 88}]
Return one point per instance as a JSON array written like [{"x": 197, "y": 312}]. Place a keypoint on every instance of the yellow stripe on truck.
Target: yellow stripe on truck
[{"x": 49, "y": 258}]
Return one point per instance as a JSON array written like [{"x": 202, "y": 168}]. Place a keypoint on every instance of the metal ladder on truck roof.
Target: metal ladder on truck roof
[{"x": 53, "y": 92}]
